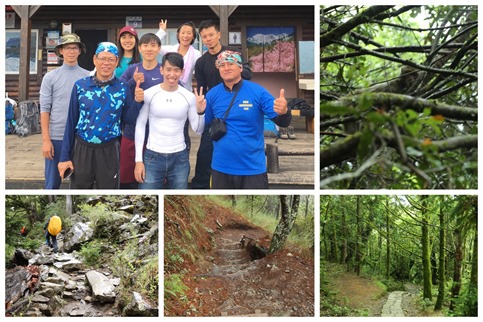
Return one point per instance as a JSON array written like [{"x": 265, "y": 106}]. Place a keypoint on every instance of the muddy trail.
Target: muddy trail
[{"x": 242, "y": 281}]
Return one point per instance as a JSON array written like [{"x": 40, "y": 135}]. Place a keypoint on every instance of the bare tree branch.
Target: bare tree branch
[
  {"x": 391, "y": 100},
  {"x": 336, "y": 33}
]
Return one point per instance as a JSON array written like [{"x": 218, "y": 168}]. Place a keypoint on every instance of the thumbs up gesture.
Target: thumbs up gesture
[
  {"x": 138, "y": 76},
  {"x": 280, "y": 104},
  {"x": 200, "y": 101},
  {"x": 138, "y": 93}
]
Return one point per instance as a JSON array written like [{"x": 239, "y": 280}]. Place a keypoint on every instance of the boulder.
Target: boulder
[
  {"x": 139, "y": 307},
  {"x": 102, "y": 287},
  {"x": 79, "y": 234},
  {"x": 41, "y": 259},
  {"x": 71, "y": 265}
]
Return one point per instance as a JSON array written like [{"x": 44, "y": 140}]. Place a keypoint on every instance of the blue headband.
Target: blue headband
[{"x": 107, "y": 47}]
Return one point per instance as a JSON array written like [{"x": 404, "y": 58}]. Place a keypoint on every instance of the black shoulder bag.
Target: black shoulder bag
[{"x": 218, "y": 125}]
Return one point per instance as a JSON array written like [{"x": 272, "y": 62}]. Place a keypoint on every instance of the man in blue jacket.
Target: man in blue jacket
[
  {"x": 98, "y": 105},
  {"x": 239, "y": 156}
]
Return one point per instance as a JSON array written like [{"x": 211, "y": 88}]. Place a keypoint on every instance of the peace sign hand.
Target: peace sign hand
[
  {"x": 163, "y": 24},
  {"x": 200, "y": 101}
]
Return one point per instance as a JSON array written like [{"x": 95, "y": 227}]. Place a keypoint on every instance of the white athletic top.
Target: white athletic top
[{"x": 167, "y": 113}]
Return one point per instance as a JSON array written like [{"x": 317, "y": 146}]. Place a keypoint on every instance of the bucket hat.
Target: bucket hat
[{"x": 70, "y": 39}]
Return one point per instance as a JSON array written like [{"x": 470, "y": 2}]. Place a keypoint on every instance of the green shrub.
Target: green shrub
[
  {"x": 104, "y": 221},
  {"x": 91, "y": 252},
  {"x": 147, "y": 278},
  {"x": 174, "y": 286}
]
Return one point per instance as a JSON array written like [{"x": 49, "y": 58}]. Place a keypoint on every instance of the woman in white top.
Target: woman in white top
[{"x": 186, "y": 35}]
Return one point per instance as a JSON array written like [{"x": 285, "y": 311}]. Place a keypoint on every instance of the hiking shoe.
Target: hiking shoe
[
  {"x": 283, "y": 133},
  {"x": 291, "y": 133}
]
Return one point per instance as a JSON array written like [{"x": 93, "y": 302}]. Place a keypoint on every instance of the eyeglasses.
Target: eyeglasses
[
  {"x": 109, "y": 60},
  {"x": 71, "y": 48}
]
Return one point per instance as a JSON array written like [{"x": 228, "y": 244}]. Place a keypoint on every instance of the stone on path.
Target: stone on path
[{"x": 393, "y": 305}]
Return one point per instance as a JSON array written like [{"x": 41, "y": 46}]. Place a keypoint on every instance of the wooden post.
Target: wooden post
[
  {"x": 272, "y": 158},
  {"x": 223, "y": 12},
  {"x": 24, "y": 66},
  {"x": 25, "y": 13}
]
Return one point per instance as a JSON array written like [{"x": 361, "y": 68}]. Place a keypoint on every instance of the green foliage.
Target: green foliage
[
  {"x": 91, "y": 252},
  {"x": 147, "y": 278},
  {"x": 466, "y": 304},
  {"x": 136, "y": 273},
  {"x": 356, "y": 63},
  {"x": 9, "y": 252},
  {"x": 174, "y": 287},
  {"x": 302, "y": 235},
  {"x": 342, "y": 225},
  {"x": 391, "y": 285},
  {"x": 104, "y": 221},
  {"x": 94, "y": 213},
  {"x": 57, "y": 208},
  {"x": 174, "y": 254}
]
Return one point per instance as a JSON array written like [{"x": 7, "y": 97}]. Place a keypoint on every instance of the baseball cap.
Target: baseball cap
[{"x": 128, "y": 29}]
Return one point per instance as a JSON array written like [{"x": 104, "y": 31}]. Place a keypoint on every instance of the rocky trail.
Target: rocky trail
[
  {"x": 242, "y": 281},
  {"x": 44, "y": 283},
  {"x": 59, "y": 287},
  {"x": 393, "y": 307}
]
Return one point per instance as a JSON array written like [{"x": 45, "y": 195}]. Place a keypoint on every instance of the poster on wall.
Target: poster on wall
[
  {"x": 10, "y": 20},
  {"x": 271, "y": 49},
  {"x": 52, "y": 39},
  {"x": 52, "y": 58},
  {"x": 12, "y": 51}
]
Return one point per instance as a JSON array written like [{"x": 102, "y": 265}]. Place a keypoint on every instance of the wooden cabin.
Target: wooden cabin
[{"x": 102, "y": 23}]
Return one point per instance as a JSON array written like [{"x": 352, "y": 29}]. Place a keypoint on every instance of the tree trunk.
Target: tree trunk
[
  {"x": 459, "y": 253},
  {"x": 285, "y": 224},
  {"x": 68, "y": 205},
  {"x": 358, "y": 257},
  {"x": 442, "y": 243},
  {"x": 426, "y": 250},
  {"x": 251, "y": 207},
  {"x": 343, "y": 251},
  {"x": 322, "y": 229},
  {"x": 434, "y": 266},
  {"x": 471, "y": 306},
  {"x": 295, "y": 204},
  {"x": 333, "y": 241},
  {"x": 306, "y": 206},
  {"x": 388, "y": 242}
]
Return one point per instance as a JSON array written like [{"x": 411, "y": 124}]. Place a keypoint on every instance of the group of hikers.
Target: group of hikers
[{"x": 125, "y": 124}]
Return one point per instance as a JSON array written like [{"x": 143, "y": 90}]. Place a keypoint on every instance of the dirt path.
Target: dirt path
[
  {"x": 236, "y": 285},
  {"x": 356, "y": 292},
  {"x": 364, "y": 297}
]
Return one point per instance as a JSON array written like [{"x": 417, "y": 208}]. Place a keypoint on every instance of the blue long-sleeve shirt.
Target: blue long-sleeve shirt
[
  {"x": 95, "y": 113},
  {"x": 241, "y": 151},
  {"x": 152, "y": 77}
]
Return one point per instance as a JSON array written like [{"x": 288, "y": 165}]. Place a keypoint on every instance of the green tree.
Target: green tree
[
  {"x": 285, "y": 225},
  {"x": 398, "y": 97},
  {"x": 442, "y": 257}
]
